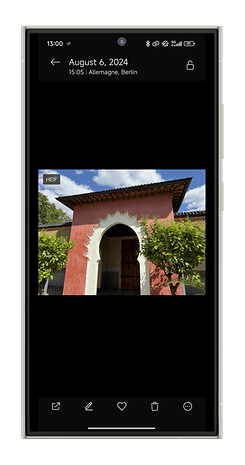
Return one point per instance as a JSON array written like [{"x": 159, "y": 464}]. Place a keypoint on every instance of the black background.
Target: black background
[{"x": 107, "y": 347}]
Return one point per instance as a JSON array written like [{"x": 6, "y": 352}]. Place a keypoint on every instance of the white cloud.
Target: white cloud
[
  {"x": 124, "y": 178},
  {"x": 66, "y": 187},
  {"x": 79, "y": 171},
  {"x": 196, "y": 198}
]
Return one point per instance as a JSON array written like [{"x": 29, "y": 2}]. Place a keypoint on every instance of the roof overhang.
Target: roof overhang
[{"x": 177, "y": 187}]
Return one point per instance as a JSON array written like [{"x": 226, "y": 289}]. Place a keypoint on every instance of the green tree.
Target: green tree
[
  {"x": 176, "y": 247},
  {"x": 52, "y": 256},
  {"x": 48, "y": 213}
]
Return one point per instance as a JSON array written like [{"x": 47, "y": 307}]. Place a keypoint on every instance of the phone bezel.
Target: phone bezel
[{"x": 219, "y": 29}]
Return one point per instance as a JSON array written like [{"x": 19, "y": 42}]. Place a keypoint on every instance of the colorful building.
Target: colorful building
[{"x": 107, "y": 233}]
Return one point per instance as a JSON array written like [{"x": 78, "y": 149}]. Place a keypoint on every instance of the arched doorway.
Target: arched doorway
[
  {"x": 94, "y": 257},
  {"x": 119, "y": 272}
]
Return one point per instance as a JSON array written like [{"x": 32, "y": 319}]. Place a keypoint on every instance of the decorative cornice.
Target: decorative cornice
[
  {"x": 108, "y": 222},
  {"x": 177, "y": 188},
  {"x": 191, "y": 213}
]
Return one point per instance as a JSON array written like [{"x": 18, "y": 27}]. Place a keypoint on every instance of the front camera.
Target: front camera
[{"x": 121, "y": 41}]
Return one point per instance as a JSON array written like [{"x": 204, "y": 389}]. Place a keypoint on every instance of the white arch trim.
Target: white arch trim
[{"x": 93, "y": 252}]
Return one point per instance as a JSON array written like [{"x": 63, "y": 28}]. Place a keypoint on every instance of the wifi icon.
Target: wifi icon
[{"x": 68, "y": 43}]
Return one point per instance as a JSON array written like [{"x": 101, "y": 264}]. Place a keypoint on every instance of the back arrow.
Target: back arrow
[{"x": 53, "y": 62}]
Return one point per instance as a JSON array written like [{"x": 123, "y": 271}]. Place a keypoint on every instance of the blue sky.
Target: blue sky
[{"x": 82, "y": 181}]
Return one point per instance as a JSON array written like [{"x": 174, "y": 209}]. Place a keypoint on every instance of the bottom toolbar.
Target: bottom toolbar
[{"x": 84, "y": 415}]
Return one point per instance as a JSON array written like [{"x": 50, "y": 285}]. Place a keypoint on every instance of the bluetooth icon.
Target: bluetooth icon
[{"x": 148, "y": 44}]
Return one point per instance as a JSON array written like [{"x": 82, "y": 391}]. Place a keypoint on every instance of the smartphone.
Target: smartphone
[{"x": 122, "y": 265}]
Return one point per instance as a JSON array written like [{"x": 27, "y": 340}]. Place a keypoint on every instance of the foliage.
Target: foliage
[
  {"x": 191, "y": 278},
  {"x": 48, "y": 213},
  {"x": 52, "y": 256},
  {"x": 176, "y": 247}
]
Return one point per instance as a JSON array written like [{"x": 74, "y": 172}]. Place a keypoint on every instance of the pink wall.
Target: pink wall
[
  {"x": 157, "y": 281},
  {"x": 160, "y": 205},
  {"x": 88, "y": 215},
  {"x": 75, "y": 277}
]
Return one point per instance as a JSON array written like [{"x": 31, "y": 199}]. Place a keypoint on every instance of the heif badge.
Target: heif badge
[{"x": 51, "y": 179}]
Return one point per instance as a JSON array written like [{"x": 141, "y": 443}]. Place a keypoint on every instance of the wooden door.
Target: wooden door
[{"x": 130, "y": 274}]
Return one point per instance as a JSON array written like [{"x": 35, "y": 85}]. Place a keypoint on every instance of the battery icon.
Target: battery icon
[{"x": 189, "y": 43}]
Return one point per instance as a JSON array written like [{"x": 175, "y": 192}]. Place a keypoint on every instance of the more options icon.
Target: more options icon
[{"x": 187, "y": 406}]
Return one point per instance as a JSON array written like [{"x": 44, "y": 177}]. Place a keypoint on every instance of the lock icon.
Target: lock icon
[{"x": 190, "y": 65}]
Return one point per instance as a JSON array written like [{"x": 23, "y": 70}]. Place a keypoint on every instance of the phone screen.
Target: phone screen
[{"x": 121, "y": 279}]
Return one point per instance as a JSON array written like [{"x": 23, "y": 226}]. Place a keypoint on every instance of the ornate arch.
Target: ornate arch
[{"x": 93, "y": 252}]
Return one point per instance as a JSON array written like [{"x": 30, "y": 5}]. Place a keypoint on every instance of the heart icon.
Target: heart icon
[{"x": 121, "y": 405}]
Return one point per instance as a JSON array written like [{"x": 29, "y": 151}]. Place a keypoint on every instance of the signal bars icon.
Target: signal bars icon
[{"x": 176, "y": 44}]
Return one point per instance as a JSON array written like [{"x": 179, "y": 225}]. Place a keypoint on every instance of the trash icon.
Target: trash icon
[{"x": 154, "y": 406}]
